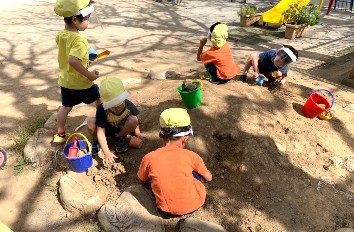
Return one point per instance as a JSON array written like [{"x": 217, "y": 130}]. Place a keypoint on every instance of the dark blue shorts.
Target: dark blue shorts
[
  {"x": 197, "y": 176},
  {"x": 212, "y": 69},
  {"x": 72, "y": 97}
]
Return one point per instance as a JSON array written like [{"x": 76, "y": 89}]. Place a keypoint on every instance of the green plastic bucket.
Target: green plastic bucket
[{"x": 191, "y": 99}]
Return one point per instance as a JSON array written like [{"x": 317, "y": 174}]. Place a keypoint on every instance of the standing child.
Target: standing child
[
  {"x": 218, "y": 60},
  {"x": 116, "y": 117},
  {"x": 273, "y": 64},
  {"x": 75, "y": 81},
  {"x": 176, "y": 174}
]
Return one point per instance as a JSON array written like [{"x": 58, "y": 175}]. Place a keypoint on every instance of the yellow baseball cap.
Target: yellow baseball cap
[
  {"x": 112, "y": 92},
  {"x": 219, "y": 35},
  {"x": 68, "y": 8},
  {"x": 174, "y": 117}
]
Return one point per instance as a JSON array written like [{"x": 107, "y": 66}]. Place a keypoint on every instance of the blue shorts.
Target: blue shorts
[
  {"x": 73, "y": 97},
  {"x": 197, "y": 176},
  {"x": 212, "y": 69}
]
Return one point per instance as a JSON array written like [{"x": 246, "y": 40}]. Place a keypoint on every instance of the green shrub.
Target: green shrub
[
  {"x": 297, "y": 14},
  {"x": 248, "y": 11}
]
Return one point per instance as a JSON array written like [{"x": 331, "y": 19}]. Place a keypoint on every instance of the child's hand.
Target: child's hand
[
  {"x": 282, "y": 81},
  {"x": 94, "y": 75},
  {"x": 203, "y": 41},
  {"x": 278, "y": 74},
  {"x": 109, "y": 158}
]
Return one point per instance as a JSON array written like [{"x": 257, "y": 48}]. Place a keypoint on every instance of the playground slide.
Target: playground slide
[{"x": 274, "y": 15}]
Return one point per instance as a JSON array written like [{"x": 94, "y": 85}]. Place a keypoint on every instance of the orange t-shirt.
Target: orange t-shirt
[
  {"x": 170, "y": 170},
  {"x": 223, "y": 60}
]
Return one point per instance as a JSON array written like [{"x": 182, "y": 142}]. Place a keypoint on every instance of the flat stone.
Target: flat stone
[
  {"x": 78, "y": 194},
  {"x": 38, "y": 146},
  {"x": 157, "y": 74},
  {"x": 134, "y": 211},
  {"x": 351, "y": 74},
  {"x": 196, "y": 225},
  {"x": 348, "y": 82},
  {"x": 51, "y": 123}
]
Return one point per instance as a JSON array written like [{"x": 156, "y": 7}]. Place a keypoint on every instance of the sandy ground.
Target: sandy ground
[{"x": 237, "y": 128}]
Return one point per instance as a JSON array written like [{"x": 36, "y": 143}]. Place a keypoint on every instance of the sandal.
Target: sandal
[{"x": 243, "y": 78}]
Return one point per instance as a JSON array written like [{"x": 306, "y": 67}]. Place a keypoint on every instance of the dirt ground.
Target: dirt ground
[{"x": 238, "y": 128}]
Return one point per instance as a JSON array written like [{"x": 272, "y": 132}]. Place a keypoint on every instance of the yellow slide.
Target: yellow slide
[{"x": 274, "y": 15}]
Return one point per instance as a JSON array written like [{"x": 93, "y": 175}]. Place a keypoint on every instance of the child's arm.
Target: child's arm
[
  {"x": 208, "y": 176},
  {"x": 76, "y": 64},
  {"x": 202, "y": 43},
  {"x": 108, "y": 155}
]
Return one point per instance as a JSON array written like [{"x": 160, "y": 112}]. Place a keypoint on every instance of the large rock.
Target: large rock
[
  {"x": 38, "y": 146},
  {"x": 348, "y": 82},
  {"x": 135, "y": 211},
  {"x": 78, "y": 194},
  {"x": 51, "y": 123},
  {"x": 195, "y": 225},
  {"x": 157, "y": 74},
  {"x": 351, "y": 74}
]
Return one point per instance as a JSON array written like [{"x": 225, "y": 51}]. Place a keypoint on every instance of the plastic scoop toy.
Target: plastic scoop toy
[
  {"x": 135, "y": 142},
  {"x": 92, "y": 54},
  {"x": 74, "y": 150},
  {"x": 102, "y": 55},
  {"x": 260, "y": 79}
]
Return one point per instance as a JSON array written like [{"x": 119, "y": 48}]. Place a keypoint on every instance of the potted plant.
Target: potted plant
[
  {"x": 249, "y": 15},
  {"x": 297, "y": 18}
]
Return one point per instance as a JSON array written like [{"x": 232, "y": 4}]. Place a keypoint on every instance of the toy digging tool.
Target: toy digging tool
[
  {"x": 74, "y": 150},
  {"x": 102, "y": 55},
  {"x": 260, "y": 79}
]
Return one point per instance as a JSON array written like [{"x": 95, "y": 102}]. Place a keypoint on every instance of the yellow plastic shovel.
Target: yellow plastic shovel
[{"x": 102, "y": 55}]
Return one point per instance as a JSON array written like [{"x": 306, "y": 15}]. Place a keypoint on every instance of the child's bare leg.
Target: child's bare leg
[
  {"x": 62, "y": 116},
  {"x": 248, "y": 65},
  {"x": 137, "y": 132},
  {"x": 129, "y": 126},
  {"x": 91, "y": 127},
  {"x": 98, "y": 102}
]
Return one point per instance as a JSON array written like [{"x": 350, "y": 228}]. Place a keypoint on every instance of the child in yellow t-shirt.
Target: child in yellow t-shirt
[{"x": 75, "y": 81}]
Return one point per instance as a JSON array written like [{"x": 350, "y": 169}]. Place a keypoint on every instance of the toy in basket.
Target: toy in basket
[{"x": 78, "y": 153}]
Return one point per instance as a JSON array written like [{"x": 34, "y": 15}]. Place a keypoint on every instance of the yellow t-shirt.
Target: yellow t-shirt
[
  {"x": 4, "y": 228},
  {"x": 72, "y": 44}
]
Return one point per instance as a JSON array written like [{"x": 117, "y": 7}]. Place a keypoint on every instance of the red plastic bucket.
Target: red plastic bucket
[{"x": 312, "y": 109}]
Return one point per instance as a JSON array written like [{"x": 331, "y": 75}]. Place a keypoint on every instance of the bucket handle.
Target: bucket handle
[
  {"x": 318, "y": 90},
  {"x": 198, "y": 81},
  {"x": 83, "y": 136}
]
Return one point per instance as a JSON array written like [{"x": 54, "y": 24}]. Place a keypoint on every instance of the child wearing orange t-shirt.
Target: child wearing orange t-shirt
[
  {"x": 218, "y": 60},
  {"x": 176, "y": 174}
]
